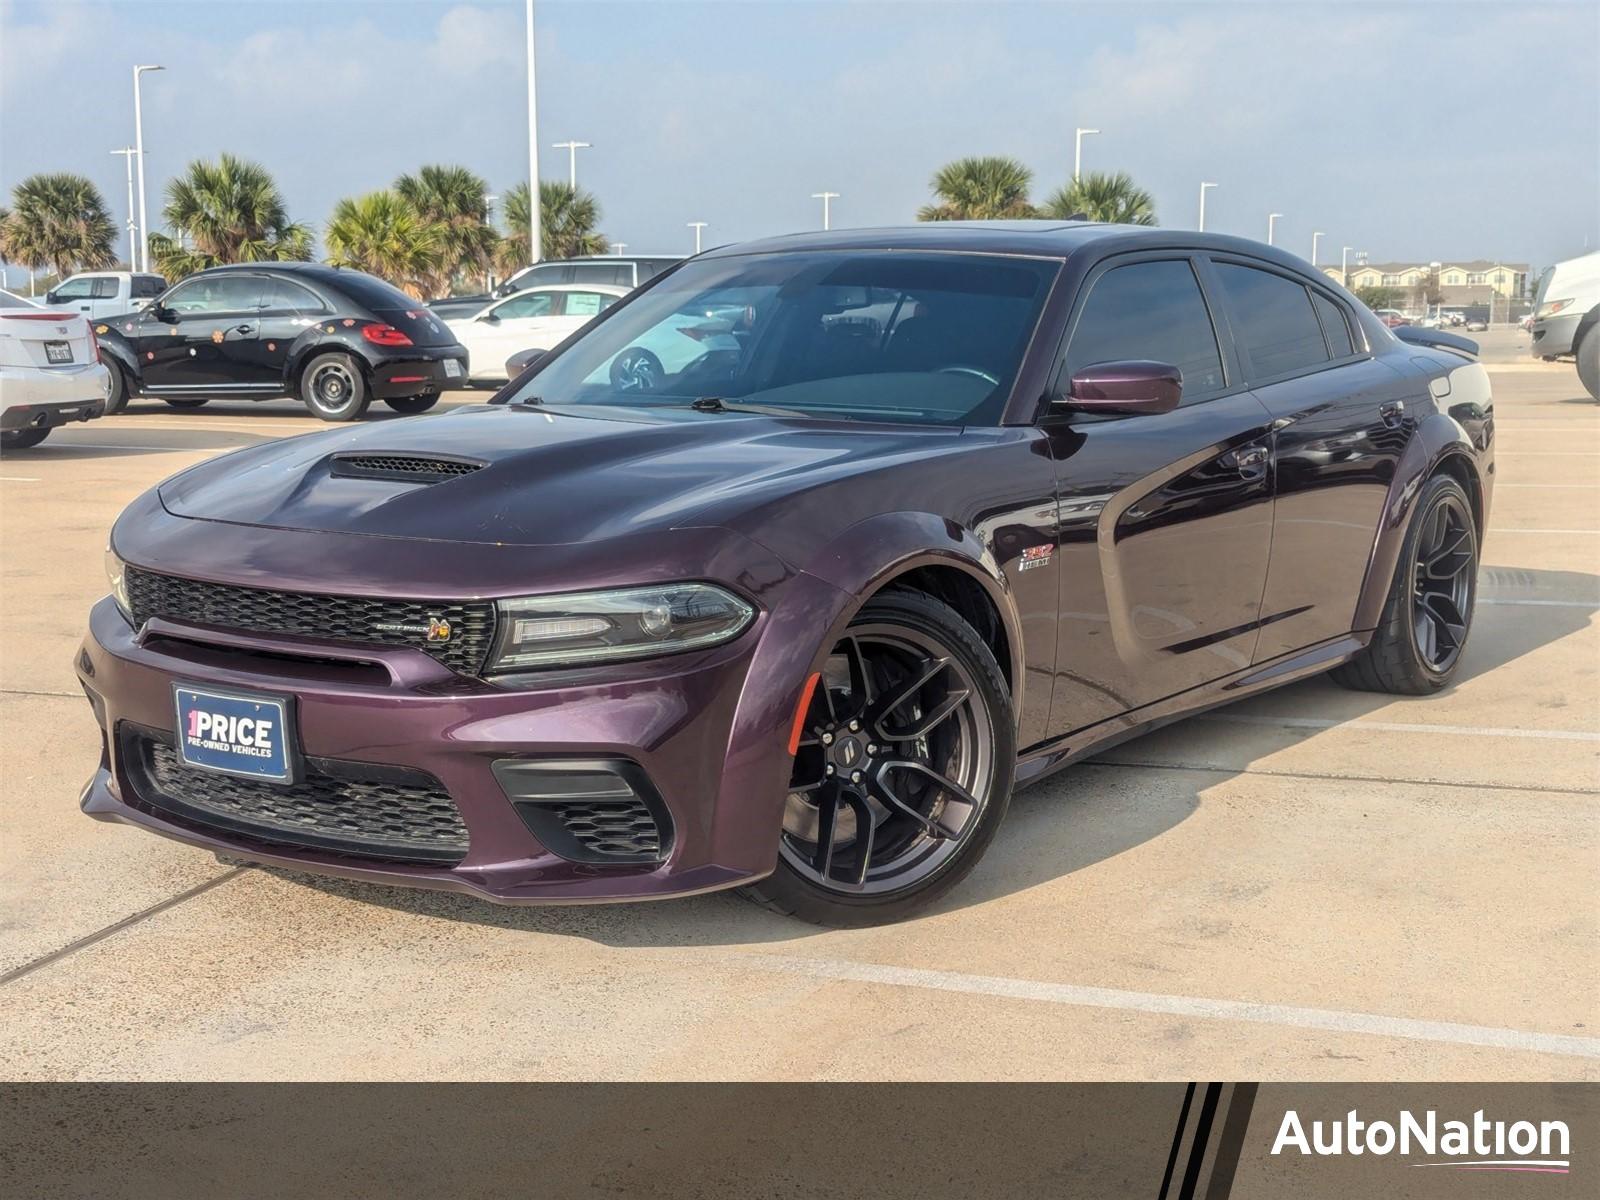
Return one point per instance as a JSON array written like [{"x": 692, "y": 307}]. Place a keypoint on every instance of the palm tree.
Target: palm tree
[
  {"x": 1113, "y": 199},
  {"x": 980, "y": 189},
  {"x": 58, "y": 221},
  {"x": 567, "y": 220},
  {"x": 384, "y": 235},
  {"x": 453, "y": 198},
  {"x": 231, "y": 211}
]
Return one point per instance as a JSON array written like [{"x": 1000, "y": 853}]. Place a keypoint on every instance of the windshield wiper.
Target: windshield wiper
[{"x": 718, "y": 404}]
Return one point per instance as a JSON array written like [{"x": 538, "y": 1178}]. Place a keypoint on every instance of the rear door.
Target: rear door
[
  {"x": 1341, "y": 423},
  {"x": 286, "y": 310},
  {"x": 1166, "y": 519}
]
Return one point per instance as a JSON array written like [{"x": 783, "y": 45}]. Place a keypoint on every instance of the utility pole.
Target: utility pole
[
  {"x": 697, "y": 226},
  {"x": 1315, "y": 238},
  {"x": 1344, "y": 266},
  {"x": 618, "y": 247},
  {"x": 1077, "y": 152},
  {"x": 1203, "y": 188},
  {"x": 127, "y": 153},
  {"x": 825, "y": 197},
  {"x": 138, "y": 146},
  {"x": 535, "y": 243},
  {"x": 572, "y": 149},
  {"x": 1272, "y": 221}
]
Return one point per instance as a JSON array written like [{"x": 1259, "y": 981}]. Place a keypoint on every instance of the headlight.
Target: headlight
[
  {"x": 1551, "y": 307},
  {"x": 597, "y": 627},
  {"x": 117, "y": 577}
]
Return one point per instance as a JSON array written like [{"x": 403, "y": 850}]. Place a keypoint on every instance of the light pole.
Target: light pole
[
  {"x": 1316, "y": 237},
  {"x": 825, "y": 197},
  {"x": 618, "y": 247},
  {"x": 697, "y": 226},
  {"x": 1203, "y": 188},
  {"x": 1077, "y": 152},
  {"x": 535, "y": 244},
  {"x": 1272, "y": 220},
  {"x": 1344, "y": 266},
  {"x": 572, "y": 149},
  {"x": 127, "y": 153},
  {"x": 138, "y": 148},
  {"x": 488, "y": 213}
]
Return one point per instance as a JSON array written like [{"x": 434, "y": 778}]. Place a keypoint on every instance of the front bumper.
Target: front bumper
[
  {"x": 705, "y": 732},
  {"x": 1553, "y": 336},
  {"x": 42, "y": 398}
]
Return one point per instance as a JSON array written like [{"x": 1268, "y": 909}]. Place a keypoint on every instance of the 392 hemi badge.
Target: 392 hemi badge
[
  {"x": 1035, "y": 556},
  {"x": 436, "y": 629}
]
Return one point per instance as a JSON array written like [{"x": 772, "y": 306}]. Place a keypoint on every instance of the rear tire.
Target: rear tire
[
  {"x": 22, "y": 439},
  {"x": 1418, "y": 644},
  {"x": 1589, "y": 361},
  {"x": 413, "y": 404},
  {"x": 121, "y": 390},
  {"x": 333, "y": 388},
  {"x": 189, "y": 402},
  {"x": 926, "y": 767}
]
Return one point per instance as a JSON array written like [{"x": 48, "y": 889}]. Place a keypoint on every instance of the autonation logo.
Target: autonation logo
[{"x": 1476, "y": 1145}]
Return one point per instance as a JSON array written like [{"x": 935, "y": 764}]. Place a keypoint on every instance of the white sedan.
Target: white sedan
[
  {"x": 50, "y": 371},
  {"x": 535, "y": 319}
]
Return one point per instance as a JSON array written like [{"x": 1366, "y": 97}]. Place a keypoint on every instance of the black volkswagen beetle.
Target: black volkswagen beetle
[{"x": 336, "y": 339}]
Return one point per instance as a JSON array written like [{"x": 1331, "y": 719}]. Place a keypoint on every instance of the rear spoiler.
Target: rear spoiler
[{"x": 1436, "y": 339}]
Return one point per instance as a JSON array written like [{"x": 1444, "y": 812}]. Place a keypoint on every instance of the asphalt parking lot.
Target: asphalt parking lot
[{"x": 1313, "y": 884}]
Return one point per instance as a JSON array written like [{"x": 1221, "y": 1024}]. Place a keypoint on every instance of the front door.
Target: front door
[
  {"x": 200, "y": 339},
  {"x": 1166, "y": 519}
]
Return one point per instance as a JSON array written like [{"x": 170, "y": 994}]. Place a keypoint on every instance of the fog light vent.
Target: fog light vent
[{"x": 595, "y": 811}]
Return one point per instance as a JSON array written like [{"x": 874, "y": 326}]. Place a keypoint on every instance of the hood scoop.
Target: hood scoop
[{"x": 400, "y": 466}]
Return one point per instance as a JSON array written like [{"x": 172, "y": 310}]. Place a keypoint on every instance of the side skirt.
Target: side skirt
[{"x": 1036, "y": 762}]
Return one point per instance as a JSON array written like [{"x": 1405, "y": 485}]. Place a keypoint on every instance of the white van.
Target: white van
[
  {"x": 1566, "y": 317},
  {"x": 101, "y": 294}
]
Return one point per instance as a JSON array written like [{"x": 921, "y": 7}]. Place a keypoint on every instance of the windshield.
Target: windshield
[{"x": 925, "y": 338}]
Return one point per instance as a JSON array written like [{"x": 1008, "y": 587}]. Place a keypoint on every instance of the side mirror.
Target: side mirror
[
  {"x": 521, "y": 361},
  {"x": 51, "y": 298},
  {"x": 489, "y": 318},
  {"x": 1132, "y": 386}
]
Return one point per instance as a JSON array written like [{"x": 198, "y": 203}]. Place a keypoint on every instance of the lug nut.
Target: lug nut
[
  {"x": 855, "y": 776},
  {"x": 871, "y": 749},
  {"x": 829, "y": 769},
  {"x": 855, "y": 726},
  {"x": 827, "y": 739}
]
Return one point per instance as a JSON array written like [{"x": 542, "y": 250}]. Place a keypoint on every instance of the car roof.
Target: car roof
[
  {"x": 307, "y": 270},
  {"x": 613, "y": 289}
]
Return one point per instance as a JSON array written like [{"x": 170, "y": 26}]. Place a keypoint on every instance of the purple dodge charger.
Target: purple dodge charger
[{"x": 786, "y": 570}]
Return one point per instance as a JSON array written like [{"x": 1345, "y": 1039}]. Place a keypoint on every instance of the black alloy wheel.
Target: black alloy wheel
[
  {"x": 903, "y": 770},
  {"x": 1444, "y": 576}
]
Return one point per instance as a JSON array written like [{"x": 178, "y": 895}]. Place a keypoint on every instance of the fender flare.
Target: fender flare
[
  {"x": 115, "y": 347},
  {"x": 1438, "y": 438}
]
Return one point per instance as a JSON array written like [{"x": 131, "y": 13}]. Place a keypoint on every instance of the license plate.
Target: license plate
[
  {"x": 452, "y": 369},
  {"x": 58, "y": 352},
  {"x": 233, "y": 732}
]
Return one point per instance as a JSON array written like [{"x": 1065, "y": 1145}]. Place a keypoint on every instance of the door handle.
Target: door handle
[
  {"x": 246, "y": 328},
  {"x": 1393, "y": 413}
]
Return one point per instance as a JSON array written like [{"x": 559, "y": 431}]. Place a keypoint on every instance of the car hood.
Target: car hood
[{"x": 549, "y": 476}]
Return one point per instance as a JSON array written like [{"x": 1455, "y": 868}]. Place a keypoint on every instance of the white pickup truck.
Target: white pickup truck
[{"x": 100, "y": 294}]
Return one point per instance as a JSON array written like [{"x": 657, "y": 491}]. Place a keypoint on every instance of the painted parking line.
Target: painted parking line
[
  {"x": 1556, "y": 532},
  {"x": 1502, "y": 486},
  {"x": 1076, "y": 995},
  {"x": 1590, "y": 604},
  {"x": 1561, "y": 735}
]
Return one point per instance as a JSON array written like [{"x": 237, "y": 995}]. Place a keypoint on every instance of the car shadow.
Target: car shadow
[{"x": 1066, "y": 823}]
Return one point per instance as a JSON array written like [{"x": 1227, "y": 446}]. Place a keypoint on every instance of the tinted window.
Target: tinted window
[
  {"x": 651, "y": 267},
  {"x": 216, "y": 293},
  {"x": 1276, "y": 325},
  {"x": 913, "y": 337},
  {"x": 145, "y": 286},
  {"x": 620, "y": 274},
  {"x": 1334, "y": 325},
  {"x": 279, "y": 295},
  {"x": 529, "y": 304},
  {"x": 373, "y": 292},
  {"x": 1151, "y": 310}
]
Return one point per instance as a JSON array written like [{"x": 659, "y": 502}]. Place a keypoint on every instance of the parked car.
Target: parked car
[
  {"x": 1392, "y": 317},
  {"x": 1477, "y": 325},
  {"x": 532, "y": 320},
  {"x": 50, "y": 371},
  {"x": 615, "y": 269},
  {"x": 1566, "y": 317},
  {"x": 793, "y": 617},
  {"x": 336, "y": 339},
  {"x": 100, "y": 294}
]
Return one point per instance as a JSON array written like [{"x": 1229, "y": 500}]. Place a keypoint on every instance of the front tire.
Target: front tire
[
  {"x": 904, "y": 770},
  {"x": 1589, "y": 361},
  {"x": 333, "y": 388},
  {"x": 413, "y": 404},
  {"x": 22, "y": 439},
  {"x": 1417, "y": 647}
]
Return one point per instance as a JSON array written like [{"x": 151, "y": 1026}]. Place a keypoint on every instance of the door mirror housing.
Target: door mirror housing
[
  {"x": 1128, "y": 387},
  {"x": 521, "y": 361},
  {"x": 51, "y": 298},
  {"x": 160, "y": 311},
  {"x": 489, "y": 318}
]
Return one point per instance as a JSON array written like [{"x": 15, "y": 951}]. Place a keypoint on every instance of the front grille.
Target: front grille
[
  {"x": 325, "y": 618},
  {"x": 390, "y": 813},
  {"x": 410, "y": 467},
  {"x": 613, "y": 828}
]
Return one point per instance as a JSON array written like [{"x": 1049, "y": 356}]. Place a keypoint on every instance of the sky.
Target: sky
[{"x": 1409, "y": 131}]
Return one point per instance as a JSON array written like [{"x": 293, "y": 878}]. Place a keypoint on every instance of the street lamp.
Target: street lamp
[
  {"x": 127, "y": 153},
  {"x": 1344, "y": 266},
  {"x": 825, "y": 197},
  {"x": 535, "y": 243},
  {"x": 138, "y": 147},
  {"x": 1272, "y": 220},
  {"x": 697, "y": 226},
  {"x": 618, "y": 247},
  {"x": 1077, "y": 152},
  {"x": 1315, "y": 238},
  {"x": 1203, "y": 188},
  {"x": 572, "y": 149}
]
